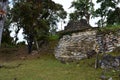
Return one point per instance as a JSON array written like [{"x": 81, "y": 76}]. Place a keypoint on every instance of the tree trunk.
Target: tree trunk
[
  {"x": 37, "y": 45},
  {"x": 97, "y": 61},
  {"x": 97, "y": 56},
  {"x": 1, "y": 29},
  {"x": 29, "y": 46},
  {"x": 3, "y": 10}
]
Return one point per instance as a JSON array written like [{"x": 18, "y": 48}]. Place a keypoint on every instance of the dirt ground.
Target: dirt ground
[
  {"x": 10, "y": 54},
  {"x": 21, "y": 52}
]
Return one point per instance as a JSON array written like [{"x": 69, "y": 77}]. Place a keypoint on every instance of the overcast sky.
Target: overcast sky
[{"x": 66, "y": 4}]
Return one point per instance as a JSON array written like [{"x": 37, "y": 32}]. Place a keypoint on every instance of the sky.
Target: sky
[{"x": 66, "y": 4}]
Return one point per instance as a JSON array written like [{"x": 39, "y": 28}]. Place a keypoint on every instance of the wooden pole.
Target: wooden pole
[{"x": 97, "y": 55}]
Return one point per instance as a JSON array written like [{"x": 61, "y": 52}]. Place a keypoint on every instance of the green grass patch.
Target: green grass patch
[
  {"x": 53, "y": 37},
  {"x": 108, "y": 29},
  {"x": 48, "y": 68}
]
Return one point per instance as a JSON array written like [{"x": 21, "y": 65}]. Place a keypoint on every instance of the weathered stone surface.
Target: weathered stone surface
[
  {"x": 76, "y": 46},
  {"x": 108, "y": 42},
  {"x": 109, "y": 61},
  {"x": 84, "y": 44}
]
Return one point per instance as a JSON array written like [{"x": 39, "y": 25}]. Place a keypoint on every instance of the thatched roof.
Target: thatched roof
[{"x": 77, "y": 25}]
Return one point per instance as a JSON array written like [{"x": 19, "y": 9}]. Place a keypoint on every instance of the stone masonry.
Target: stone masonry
[{"x": 79, "y": 45}]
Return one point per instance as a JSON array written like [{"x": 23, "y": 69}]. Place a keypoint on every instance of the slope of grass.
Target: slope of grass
[{"x": 48, "y": 68}]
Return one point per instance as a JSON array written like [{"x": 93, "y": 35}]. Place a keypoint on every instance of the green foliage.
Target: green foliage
[
  {"x": 114, "y": 17},
  {"x": 8, "y": 45},
  {"x": 106, "y": 11},
  {"x": 36, "y": 18},
  {"x": 53, "y": 37},
  {"x": 108, "y": 29},
  {"x": 6, "y": 38},
  {"x": 112, "y": 73},
  {"x": 83, "y": 8}
]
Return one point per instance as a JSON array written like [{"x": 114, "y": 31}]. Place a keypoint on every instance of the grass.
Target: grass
[
  {"x": 48, "y": 68},
  {"x": 53, "y": 37},
  {"x": 108, "y": 29}
]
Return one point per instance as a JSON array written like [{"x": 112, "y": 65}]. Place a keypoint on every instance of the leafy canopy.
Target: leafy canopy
[
  {"x": 83, "y": 9},
  {"x": 107, "y": 12},
  {"x": 36, "y": 17}
]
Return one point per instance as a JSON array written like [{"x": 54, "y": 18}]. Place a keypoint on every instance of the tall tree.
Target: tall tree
[
  {"x": 6, "y": 38},
  {"x": 3, "y": 10},
  {"x": 83, "y": 9},
  {"x": 113, "y": 17},
  {"x": 105, "y": 10},
  {"x": 36, "y": 17}
]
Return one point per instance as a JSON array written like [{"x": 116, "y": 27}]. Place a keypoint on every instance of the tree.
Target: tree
[
  {"x": 6, "y": 38},
  {"x": 3, "y": 11},
  {"x": 83, "y": 9},
  {"x": 113, "y": 17},
  {"x": 36, "y": 17},
  {"x": 105, "y": 10}
]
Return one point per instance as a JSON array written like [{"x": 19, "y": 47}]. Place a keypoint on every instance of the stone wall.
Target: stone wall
[
  {"x": 108, "y": 42},
  {"x": 84, "y": 44}
]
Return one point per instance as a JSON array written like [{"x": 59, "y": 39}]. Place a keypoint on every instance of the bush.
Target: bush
[
  {"x": 6, "y": 45},
  {"x": 53, "y": 37}
]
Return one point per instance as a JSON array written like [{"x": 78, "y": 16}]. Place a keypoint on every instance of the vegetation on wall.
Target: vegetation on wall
[{"x": 109, "y": 29}]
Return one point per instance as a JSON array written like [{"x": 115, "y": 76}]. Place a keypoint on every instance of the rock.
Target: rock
[
  {"x": 76, "y": 47},
  {"x": 103, "y": 77},
  {"x": 109, "y": 61},
  {"x": 91, "y": 53},
  {"x": 110, "y": 78}
]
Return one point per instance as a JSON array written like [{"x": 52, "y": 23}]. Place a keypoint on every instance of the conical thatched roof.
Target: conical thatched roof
[{"x": 77, "y": 25}]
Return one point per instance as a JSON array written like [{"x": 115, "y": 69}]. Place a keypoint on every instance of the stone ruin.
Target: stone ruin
[
  {"x": 77, "y": 25},
  {"x": 84, "y": 43}
]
